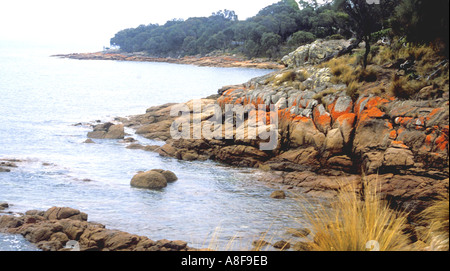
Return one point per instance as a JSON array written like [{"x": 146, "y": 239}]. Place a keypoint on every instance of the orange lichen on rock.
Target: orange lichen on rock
[
  {"x": 322, "y": 119},
  {"x": 370, "y": 113},
  {"x": 347, "y": 119},
  {"x": 434, "y": 112},
  {"x": 285, "y": 114},
  {"x": 403, "y": 121},
  {"x": 340, "y": 107},
  {"x": 301, "y": 119},
  {"x": 442, "y": 142},
  {"x": 370, "y": 104},
  {"x": 393, "y": 135},
  {"x": 429, "y": 139},
  {"x": 399, "y": 144}
]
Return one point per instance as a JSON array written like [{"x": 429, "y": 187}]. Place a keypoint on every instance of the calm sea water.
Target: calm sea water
[{"x": 41, "y": 98}]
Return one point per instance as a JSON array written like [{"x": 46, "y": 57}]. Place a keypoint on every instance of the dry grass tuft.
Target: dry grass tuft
[
  {"x": 437, "y": 216},
  {"x": 358, "y": 222},
  {"x": 404, "y": 88}
]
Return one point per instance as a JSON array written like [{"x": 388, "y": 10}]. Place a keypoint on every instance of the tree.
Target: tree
[
  {"x": 226, "y": 14},
  {"x": 422, "y": 21},
  {"x": 222, "y": 30},
  {"x": 269, "y": 43},
  {"x": 365, "y": 19}
]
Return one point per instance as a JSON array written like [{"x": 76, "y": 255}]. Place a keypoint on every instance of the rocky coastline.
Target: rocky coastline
[
  {"x": 67, "y": 229},
  {"x": 325, "y": 137},
  {"x": 205, "y": 61}
]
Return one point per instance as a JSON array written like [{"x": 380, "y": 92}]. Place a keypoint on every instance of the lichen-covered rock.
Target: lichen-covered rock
[
  {"x": 323, "y": 133},
  {"x": 313, "y": 53}
]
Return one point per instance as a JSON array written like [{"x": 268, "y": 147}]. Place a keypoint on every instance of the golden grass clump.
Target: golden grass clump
[
  {"x": 437, "y": 216},
  {"x": 358, "y": 222},
  {"x": 343, "y": 69},
  {"x": 353, "y": 90},
  {"x": 404, "y": 88},
  {"x": 384, "y": 55}
]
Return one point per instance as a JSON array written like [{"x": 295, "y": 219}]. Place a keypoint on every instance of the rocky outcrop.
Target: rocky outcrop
[
  {"x": 331, "y": 140},
  {"x": 325, "y": 137},
  {"x": 314, "y": 53},
  {"x": 59, "y": 227},
  {"x": 108, "y": 131}
]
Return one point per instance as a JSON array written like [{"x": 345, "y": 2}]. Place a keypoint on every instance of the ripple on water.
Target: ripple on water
[{"x": 9, "y": 242}]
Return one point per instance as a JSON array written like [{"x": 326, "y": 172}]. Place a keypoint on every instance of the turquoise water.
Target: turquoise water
[{"x": 41, "y": 98}]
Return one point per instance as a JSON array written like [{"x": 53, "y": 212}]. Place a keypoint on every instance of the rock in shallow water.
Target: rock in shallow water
[
  {"x": 3, "y": 206},
  {"x": 278, "y": 195},
  {"x": 108, "y": 131},
  {"x": 149, "y": 180}
]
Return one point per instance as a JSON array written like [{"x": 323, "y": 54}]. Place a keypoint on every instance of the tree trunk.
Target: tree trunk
[{"x": 366, "y": 54}]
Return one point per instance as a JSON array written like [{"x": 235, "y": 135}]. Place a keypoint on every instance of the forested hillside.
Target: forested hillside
[{"x": 281, "y": 27}]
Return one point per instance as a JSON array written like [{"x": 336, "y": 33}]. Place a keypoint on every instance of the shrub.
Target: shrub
[
  {"x": 300, "y": 38},
  {"x": 335, "y": 37},
  {"x": 368, "y": 75}
]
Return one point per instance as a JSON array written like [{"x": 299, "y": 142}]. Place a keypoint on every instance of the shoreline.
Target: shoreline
[
  {"x": 326, "y": 137},
  {"x": 57, "y": 228},
  {"x": 207, "y": 61}
]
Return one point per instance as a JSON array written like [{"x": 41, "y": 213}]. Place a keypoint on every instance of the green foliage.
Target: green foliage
[
  {"x": 422, "y": 21},
  {"x": 264, "y": 35},
  {"x": 269, "y": 43},
  {"x": 301, "y": 37},
  {"x": 287, "y": 24}
]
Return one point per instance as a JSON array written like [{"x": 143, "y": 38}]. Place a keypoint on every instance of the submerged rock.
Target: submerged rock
[
  {"x": 7, "y": 164},
  {"x": 299, "y": 232},
  {"x": 3, "y": 206},
  {"x": 303, "y": 246},
  {"x": 282, "y": 245},
  {"x": 278, "y": 195}
]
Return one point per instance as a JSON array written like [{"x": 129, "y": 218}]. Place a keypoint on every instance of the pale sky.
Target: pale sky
[{"x": 92, "y": 23}]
